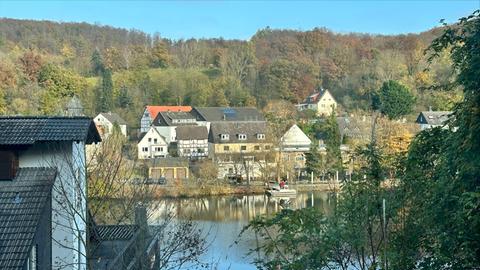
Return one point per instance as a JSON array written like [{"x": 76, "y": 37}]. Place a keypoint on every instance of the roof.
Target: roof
[
  {"x": 215, "y": 114},
  {"x": 142, "y": 135},
  {"x": 167, "y": 162},
  {"x": 115, "y": 232},
  {"x": 174, "y": 119},
  {"x": 316, "y": 96},
  {"x": 295, "y": 137},
  {"x": 435, "y": 118},
  {"x": 154, "y": 110},
  {"x": 22, "y": 201},
  {"x": 27, "y": 130},
  {"x": 251, "y": 129},
  {"x": 192, "y": 133},
  {"x": 113, "y": 117}
]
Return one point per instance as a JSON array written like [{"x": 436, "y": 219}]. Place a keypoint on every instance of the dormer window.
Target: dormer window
[
  {"x": 225, "y": 137},
  {"x": 260, "y": 136},
  {"x": 242, "y": 137}
]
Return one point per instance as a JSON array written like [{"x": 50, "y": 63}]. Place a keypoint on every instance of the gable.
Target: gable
[
  {"x": 153, "y": 134},
  {"x": 295, "y": 136}
]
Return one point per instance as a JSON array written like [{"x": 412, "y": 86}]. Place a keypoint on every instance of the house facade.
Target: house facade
[
  {"x": 192, "y": 142},
  {"x": 240, "y": 149},
  {"x": 52, "y": 148},
  {"x": 431, "y": 119},
  {"x": 294, "y": 144},
  {"x": 166, "y": 123},
  {"x": 322, "y": 102},
  {"x": 152, "y": 145},
  {"x": 150, "y": 113},
  {"x": 106, "y": 121}
]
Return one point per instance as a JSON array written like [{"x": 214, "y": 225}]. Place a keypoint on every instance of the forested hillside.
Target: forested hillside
[{"x": 43, "y": 63}]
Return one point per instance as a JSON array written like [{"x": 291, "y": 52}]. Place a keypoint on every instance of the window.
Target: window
[
  {"x": 145, "y": 149},
  {"x": 261, "y": 136},
  {"x": 226, "y": 148},
  {"x": 242, "y": 137},
  {"x": 8, "y": 165},
  {"x": 224, "y": 136},
  {"x": 243, "y": 147},
  {"x": 267, "y": 147},
  {"x": 149, "y": 139},
  {"x": 159, "y": 149},
  {"x": 257, "y": 147},
  {"x": 155, "y": 140}
]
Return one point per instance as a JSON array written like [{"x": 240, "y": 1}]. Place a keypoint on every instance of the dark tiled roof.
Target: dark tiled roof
[
  {"x": 167, "y": 162},
  {"x": 174, "y": 119},
  {"x": 22, "y": 201},
  {"x": 251, "y": 129},
  {"x": 115, "y": 232},
  {"x": 215, "y": 114},
  {"x": 114, "y": 118},
  {"x": 192, "y": 133},
  {"x": 436, "y": 118},
  {"x": 19, "y": 130}
]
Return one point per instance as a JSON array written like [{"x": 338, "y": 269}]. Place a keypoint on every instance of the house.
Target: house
[
  {"x": 207, "y": 115},
  {"x": 192, "y": 142},
  {"x": 430, "y": 119},
  {"x": 355, "y": 128},
  {"x": 43, "y": 189},
  {"x": 151, "y": 112},
  {"x": 26, "y": 216},
  {"x": 321, "y": 101},
  {"x": 239, "y": 148},
  {"x": 152, "y": 145},
  {"x": 106, "y": 121},
  {"x": 166, "y": 123},
  {"x": 293, "y": 146},
  {"x": 171, "y": 168}
]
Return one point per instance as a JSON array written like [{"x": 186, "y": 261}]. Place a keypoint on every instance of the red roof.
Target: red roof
[{"x": 154, "y": 110}]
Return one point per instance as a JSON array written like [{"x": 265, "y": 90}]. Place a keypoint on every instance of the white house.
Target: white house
[
  {"x": 151, "y": 112},
  {"x": 322, "y": 102},
  {"x": 430, "y": 119},
  {"x": 192, "y": 142},
  {"x": 106, "y": 121},
  {"x": 166, "y": 123},
  {"x": 152, "y": 145},
  {"x": 295, "y": 140},
  {"x": 58, "y": 144}
]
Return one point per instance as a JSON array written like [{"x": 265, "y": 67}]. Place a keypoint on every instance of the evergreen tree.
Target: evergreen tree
[
  {"x": 314, "y": 160},
  {"x": 124, "y": 100},
  {"x": 394, "y": 100},
  {"x": 97, "y": 63},
  {"x": 105, "y": 94}
]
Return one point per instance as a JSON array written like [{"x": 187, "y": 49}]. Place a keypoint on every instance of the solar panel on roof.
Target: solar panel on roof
[{"x": 229, "y": 111}]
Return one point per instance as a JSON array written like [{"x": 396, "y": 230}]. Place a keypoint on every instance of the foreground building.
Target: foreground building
[{"x": 43, "y": 190}]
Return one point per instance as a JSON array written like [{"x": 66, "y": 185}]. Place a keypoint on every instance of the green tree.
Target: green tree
[
  {"x": 105, "y": 93},
  {"x": 3, "y": 103},
  {"x": 160, "y": 57},
  {"x": 394, "y": 100},
  {"x": 97, "y": 62},
  {"x": 124, "y": 100}
]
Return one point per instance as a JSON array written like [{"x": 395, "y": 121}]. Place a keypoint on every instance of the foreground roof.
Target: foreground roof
[
  {"x": 215, "y": 114},
  {"x": 154, "y": 110},
  {"x": 27, "y": 130},
  {"x": 435, "y": 118},
  {"x": 114, "y": 118},
  {"x": 22, "y": 201}
]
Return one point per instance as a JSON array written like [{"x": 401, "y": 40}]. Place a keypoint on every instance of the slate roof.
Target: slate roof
[
  {"x": 251, "y": 129},
  {"x": 115, "y": 232},
  {"x": 192, "y": 133},
  {"x": 435, "y": 118},
  {"x": 114, "y": 117},
  {"x": 22, "y": 201},
  {"x": 27, "y": 130},
  {"x": 167, "y": 162},
  {"x": 216, "y": 114},
  {"x": 168, "y": 118}
]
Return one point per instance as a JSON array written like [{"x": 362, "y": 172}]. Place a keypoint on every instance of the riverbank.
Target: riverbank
[{"x": 182, "y": 191}]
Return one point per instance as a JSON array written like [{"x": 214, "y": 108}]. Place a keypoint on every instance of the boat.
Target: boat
[{"x": 274, "y": 190}]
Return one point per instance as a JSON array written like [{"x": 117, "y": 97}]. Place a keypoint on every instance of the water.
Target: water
[{"x": 224, "y": 217}]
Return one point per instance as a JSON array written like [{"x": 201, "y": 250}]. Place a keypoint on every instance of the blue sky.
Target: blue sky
[{"x": 241, "y": 19}]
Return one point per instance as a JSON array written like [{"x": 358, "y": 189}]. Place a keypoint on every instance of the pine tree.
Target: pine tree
[
  {"x": 124, "y": 99},
  {"x": 105, "y": 93},
  {"x": 97, "y": 63}
]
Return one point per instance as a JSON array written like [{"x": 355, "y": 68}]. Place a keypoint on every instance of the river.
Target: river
[{"x": 222, "y": 218}]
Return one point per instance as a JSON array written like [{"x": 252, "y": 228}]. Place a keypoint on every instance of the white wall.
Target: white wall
[
  {"x": 151, "y": 146},
  {"x": 68, "y": 223},
  {"x": 168, "y": 132}
]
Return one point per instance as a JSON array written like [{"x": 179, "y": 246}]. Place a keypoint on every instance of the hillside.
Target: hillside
[{"x": 42, "y": 63}]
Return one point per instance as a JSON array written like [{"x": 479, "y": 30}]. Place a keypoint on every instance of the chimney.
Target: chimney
[{"x": 141, "y": 222}]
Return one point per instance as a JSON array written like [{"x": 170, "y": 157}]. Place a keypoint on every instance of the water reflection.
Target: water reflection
[{"x": 238, "y": 208}]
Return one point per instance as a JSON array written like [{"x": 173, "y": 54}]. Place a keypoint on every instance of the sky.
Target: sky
[{"x": 242, "y": 19}]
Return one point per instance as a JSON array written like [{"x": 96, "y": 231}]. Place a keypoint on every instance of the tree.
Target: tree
[
  {"x": 124, "y": 100},
  {"x": 97, "y": 62},
  {"x": 3, "y": 103},
  {"x": 160, "y": 57},
  {"x": 394, "y": 100},
  {"x": 31, "y": 64},
  {"x": 105, "y": 94}
]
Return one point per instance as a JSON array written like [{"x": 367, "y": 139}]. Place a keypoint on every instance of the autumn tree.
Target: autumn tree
[{"x": 31, "y": 63}]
